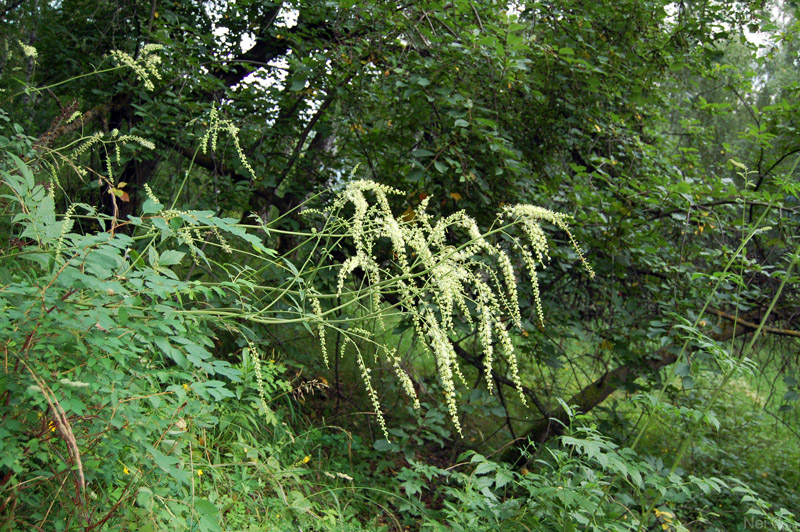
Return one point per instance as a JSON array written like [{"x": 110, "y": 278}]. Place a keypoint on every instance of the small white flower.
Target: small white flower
[{"x": 28, "y": 51}]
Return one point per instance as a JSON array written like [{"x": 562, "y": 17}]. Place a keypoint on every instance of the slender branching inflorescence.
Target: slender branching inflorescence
[
  {"x": 113, "y": 140},
  {"x": 88, "y": 143},
  {"x": 145, "y": 66},
  {"x": 440, "y": 271},
  {"x": 317, "y": 308},
  {"x": 405, "y": 380},
  {"x": 255, "y": 359},
  {"x": 529, "y": 217},
  {"x": 28, "y": 50},
  {"x": 365, "y": 376},
  {"x": 144, "y": 143},
  {"x": 446, "y": 362},
  {"x": 485, "y": 320},
  {"x": 66, "y": 227},
  {"x": 216, "y": 124},
  {"x": 189, "y": 235}
]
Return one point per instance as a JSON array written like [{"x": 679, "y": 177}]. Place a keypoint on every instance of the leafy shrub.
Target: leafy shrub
[
  {"x": 121, "y": 407},
  {"x": 111, "y": 377},
  {"x": 582, "y": 481}
]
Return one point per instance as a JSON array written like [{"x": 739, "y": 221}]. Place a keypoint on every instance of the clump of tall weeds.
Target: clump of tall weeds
[{"x": 435, "y": 272}]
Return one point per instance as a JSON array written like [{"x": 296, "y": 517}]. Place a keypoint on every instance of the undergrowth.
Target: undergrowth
[{"x": 141, "y": 388}]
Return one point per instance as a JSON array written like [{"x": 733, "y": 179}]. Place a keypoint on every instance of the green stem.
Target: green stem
[{"x": 687, "y": 438}]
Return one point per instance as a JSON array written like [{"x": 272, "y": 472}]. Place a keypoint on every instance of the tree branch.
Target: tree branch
[
  {"x": 307, "y": 131},
  {"x": 598, "y": 391},
  {"x": 9, "y": 8},
  {"x": 478, "y": 364},
  {"x": 730, "y": 201},
  {"x": 265, "y": 49},
  {"x": 753, "y": 326},
  {"x": 781, "y": 159}
]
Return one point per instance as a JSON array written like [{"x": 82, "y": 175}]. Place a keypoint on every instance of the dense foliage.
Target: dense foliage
[{"x": 358, "y": 266}]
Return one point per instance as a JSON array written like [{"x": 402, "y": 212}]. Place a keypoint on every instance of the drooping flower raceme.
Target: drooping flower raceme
[{"x": 436, "y": 273}]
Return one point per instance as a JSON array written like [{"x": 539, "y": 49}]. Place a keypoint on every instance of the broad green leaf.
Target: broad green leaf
[
  {"x": 151, "y": 207},
  {"x": 170, "y": 257}
]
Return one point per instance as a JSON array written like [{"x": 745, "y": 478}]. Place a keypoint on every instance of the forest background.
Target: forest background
[{"x": 338, "y": 265}]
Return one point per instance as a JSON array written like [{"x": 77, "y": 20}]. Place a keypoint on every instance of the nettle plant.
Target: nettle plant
[
  {"x": 108, "y": 325},
  {"x": 109, "y": 341},
  {"x": 434, "y": 271},
  {"x": 104, "y": 382}
]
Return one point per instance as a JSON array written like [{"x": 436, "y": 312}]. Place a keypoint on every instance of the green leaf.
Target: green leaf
[
  {"x": 152, "y": 256},
  {"x": 151, "y": 207},
  {"x": 485, "y": 467},
  {"x": 163, "y": 461},
  {"x": 712, "y": 420},
  {"x": 144, "y": 498},
  {"x": 170, "y": 257},
  {"x": 791, "y": 396},
  {"x": 383, "y": 445},
  {"x": 503, "y": 477},
  {"x": 683, "y": 369},
  {"x": 299, "y": 502}
]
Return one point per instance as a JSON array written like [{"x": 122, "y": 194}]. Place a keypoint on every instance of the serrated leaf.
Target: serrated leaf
[
  {"x": 298, "y": 501},
  {"x": 151, "y": 207},
  {"x": 712, "y": 420},
  {"x": 502, "y": 478},
  {"x": 485, "y": 467},
  {"x": 144, "y": 498},
  {"x": 170, "y": 257}
]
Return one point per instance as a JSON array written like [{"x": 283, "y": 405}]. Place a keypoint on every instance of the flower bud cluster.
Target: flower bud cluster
[
  {"x": 216, "y": 124},
  {"x": 441, "y": 273},
  {"x": 145, "y": 66}
]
